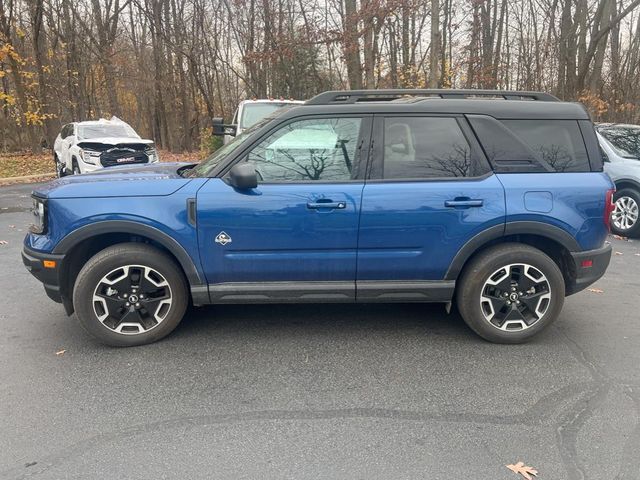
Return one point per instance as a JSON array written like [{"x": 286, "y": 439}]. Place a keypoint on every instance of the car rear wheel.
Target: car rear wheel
[
  {"x": 130, "y": 294},
  {"x": 624, "y": 219},
  {"x": 75, "y": 167},
  {"x": 510, "y": 292}
]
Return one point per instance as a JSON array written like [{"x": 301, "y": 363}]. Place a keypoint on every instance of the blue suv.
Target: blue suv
[{"x": 492, "y": 200}]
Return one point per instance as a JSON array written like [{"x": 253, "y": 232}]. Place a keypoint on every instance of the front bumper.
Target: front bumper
[
  {"x": 50, "y": 277},
  {"x": 587, "y": 267}
]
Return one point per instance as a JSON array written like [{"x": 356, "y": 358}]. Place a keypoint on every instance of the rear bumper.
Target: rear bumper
[
  {"x": 586, "y": 275},
  {"x": 50, "y": 278}
]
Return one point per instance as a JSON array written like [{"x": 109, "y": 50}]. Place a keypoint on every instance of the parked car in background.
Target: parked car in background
[
  {"x": 82, "y": 147},
  {"x": 497, "y": 203},
  {"x": 620, "y": 144},
  {"x": 248, "y": 113}
]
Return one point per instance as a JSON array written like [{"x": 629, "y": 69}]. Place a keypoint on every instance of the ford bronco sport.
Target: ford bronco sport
[{"x": 492, "y": 200}]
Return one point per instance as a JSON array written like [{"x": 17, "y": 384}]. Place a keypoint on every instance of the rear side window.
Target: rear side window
[
  {"x": 427, "y": 147},
  {"x": 556, "y": 143}
]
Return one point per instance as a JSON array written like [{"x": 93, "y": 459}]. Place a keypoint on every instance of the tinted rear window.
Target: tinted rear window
[{"x": 558, "y": 143}]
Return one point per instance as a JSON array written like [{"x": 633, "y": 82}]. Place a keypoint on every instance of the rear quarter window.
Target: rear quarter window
[{"x": 557, "y": 143}]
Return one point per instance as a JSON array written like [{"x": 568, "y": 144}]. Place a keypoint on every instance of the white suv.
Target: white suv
[{"x": 88, "y": 146}]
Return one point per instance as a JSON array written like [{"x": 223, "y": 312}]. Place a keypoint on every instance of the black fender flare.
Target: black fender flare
[
  {"x": 627, "y": 180},
  {"x": 539, "y": 229},
  {"x": 126, "y": 226}
]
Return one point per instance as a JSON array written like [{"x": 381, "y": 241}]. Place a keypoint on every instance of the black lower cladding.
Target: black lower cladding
[
  {"x": 50, "y": 278},
  {"x": 589, "y": 266},
  {"x": 123, "y": 156}
]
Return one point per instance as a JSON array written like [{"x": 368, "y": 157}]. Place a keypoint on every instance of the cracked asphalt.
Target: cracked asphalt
[{"x": 318, "y": 391}]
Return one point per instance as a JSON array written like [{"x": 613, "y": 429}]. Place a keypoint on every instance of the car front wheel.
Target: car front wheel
[
  {"x": 510, "y": 292},
  {"x": 624, "y": 219},
  {"x": 130, "y": 294}
]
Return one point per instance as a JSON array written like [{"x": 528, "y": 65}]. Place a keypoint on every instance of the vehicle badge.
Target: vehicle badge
[{"x": 222, "y": 238}]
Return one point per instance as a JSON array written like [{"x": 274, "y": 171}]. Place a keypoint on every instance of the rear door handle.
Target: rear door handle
[
  {"x": 463, "y": 203},
  {"x": 328, "y": 204}
]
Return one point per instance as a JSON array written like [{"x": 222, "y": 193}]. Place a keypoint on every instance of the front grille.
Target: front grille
[{"x": 119, "y": 156}]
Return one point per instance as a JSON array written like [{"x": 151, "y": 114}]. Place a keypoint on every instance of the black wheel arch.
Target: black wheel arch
[
  {"x": 623, "y": 183},
  {"x": 83, "y": 243},
  {"x": 552, "y": 240}
]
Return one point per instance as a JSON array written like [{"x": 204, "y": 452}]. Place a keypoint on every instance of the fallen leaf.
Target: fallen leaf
[
  {"x": 60, "y": 352},
  {"x": 12, "y": 226},
  {"x": 619, "y": 253},
  {"x": 523, "y": 470},
  {"x": 596, "y": 290},
  {"x": 637, "y": 254},
  {"x": 3, "y": 242},
  {"x": 618, "y": 237}
]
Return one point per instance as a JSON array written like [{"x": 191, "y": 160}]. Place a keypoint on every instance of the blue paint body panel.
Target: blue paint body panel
[
  {"x": 407, "y": 232},
  {"x": 275, "y": 236},
  {"x": 387, "y": 230},
  {"x": 577, "y": 203}
]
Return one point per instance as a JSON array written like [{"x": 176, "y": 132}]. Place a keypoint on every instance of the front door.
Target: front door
[
  {"x": 294, "y": 237},
  {"x": 430, "y": 191}
]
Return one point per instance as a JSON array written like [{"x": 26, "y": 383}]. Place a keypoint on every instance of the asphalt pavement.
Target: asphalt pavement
[{"x": 318, "y": 391}]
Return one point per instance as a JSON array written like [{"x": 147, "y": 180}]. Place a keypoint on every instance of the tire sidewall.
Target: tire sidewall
[
  {"x": 635, "y": 230},
  {"x": 108, "y": 260},
  {"x": 477, "y": 273}
]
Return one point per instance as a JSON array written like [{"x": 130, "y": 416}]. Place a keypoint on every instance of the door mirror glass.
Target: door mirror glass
[
  {"x": 243, "y": 176},
  {"x": 220, "y": 129}
]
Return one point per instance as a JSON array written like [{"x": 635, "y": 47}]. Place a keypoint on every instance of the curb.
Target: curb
[{"x": 26, "y": 177}]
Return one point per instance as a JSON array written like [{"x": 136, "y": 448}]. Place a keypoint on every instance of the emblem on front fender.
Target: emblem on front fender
[{"x": 222, "y": 238}]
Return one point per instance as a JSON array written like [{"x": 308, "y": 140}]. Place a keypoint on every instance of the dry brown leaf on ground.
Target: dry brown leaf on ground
[
  {"x": 619, "y": 253},
  {"x": 60, "y": 352},
  {"x": 596, "y": 290},
  {"x": 524, "y": 470},
  {"x": 619, "y": 237},
  {"x": 3, "y": 242}
]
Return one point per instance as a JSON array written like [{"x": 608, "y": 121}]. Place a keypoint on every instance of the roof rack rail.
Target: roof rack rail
[{"x": 354, "y": 96}]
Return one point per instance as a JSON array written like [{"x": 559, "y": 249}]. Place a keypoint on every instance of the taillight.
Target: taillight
[{"x": 609, "y": 207}]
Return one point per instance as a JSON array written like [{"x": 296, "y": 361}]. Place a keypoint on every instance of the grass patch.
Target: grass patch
[
  {"x": 20, "y": 164},
  {"x": 26, "y": 163}
]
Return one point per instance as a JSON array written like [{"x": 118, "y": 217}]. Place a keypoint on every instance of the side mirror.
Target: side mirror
[
  {"x": 243, "y": 176},
  {"x": 220, "y": 129}
]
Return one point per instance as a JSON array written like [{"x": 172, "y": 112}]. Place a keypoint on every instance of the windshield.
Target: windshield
[
  {"x": 107, "y": 130},
  {"x": 252, "y": 113},
  {"x": 625, "y": 141}
]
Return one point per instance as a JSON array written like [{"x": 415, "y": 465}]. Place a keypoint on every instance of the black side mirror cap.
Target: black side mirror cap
[
  {"x": 243, "y": 176},
  {"x": 220, "y": 129}
]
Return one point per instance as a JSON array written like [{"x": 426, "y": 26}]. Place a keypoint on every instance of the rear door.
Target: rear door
[
  {"x": 430, "y": 190},
  {"x": 294, "y": 237}
]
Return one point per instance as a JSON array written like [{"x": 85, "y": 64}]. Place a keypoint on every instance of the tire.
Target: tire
[
  {"x": 59, "y": 170},
  {"x": 108, "y": 280},
  {"x": 625, "y": 219},
  {"x": 76, "y": 168},
  {"x": 524, "y": 312}
]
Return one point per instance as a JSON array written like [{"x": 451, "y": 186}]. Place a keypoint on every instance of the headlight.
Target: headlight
[
  {"x": 90, "y": 156},
  {"x": 152, "y": 154},
  {"x": 39, "y": 211}
]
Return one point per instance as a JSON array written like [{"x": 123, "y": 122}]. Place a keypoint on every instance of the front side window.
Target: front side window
[
  {"x": 427, "y": 147},
  {"x": 321, "y": 149}
]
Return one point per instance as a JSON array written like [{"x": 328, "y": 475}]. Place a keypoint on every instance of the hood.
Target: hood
[
  {"x": 151, "y": 180},
  {"x": 115, "y": 141}
]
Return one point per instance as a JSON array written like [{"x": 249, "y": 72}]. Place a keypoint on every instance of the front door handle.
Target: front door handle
[
  {"x": 328, "y": 204},
  {"x": 463, "y": 202}
]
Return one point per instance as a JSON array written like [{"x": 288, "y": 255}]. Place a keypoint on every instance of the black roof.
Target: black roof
[{"x": 496, "y": 103}]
